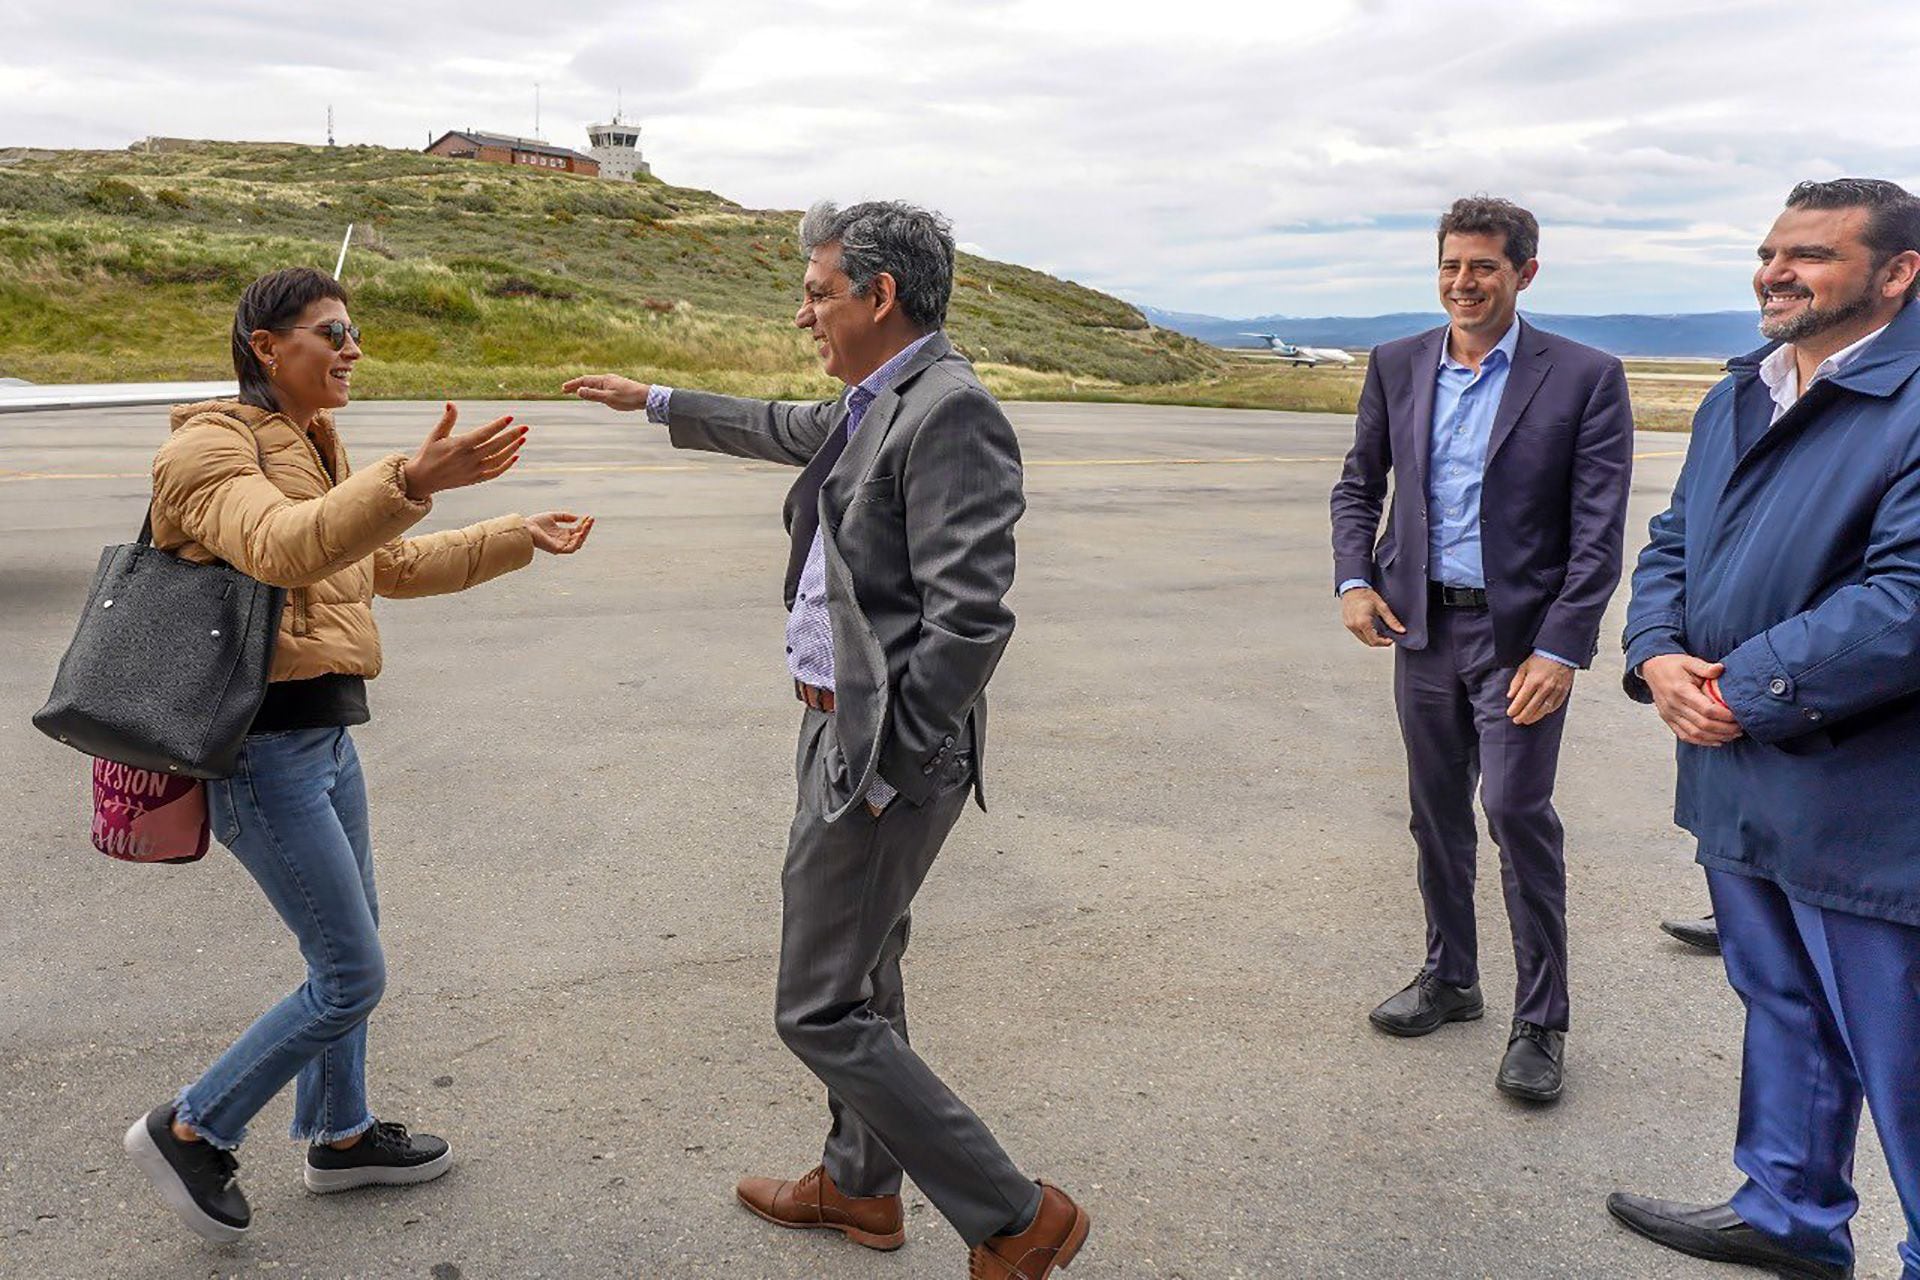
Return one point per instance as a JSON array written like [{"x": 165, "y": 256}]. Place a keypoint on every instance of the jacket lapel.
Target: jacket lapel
[
  {"x": 877, "y": 421},
  {"x": 1530, "y": 365},
  {"x": 1417, "y": 435}
]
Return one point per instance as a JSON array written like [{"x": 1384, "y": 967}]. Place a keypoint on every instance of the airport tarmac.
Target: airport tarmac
[{"x": 1148, "y": 967}]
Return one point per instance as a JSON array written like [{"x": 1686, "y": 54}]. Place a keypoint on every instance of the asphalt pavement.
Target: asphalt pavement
[{"x": 1148, "y": 967}]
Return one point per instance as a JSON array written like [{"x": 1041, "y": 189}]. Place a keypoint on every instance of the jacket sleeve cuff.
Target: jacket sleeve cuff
[
  {"x": 913, "y": 775},
  {"x": 1764, "y": 697},
  {"x": 1347, "y": 572},
  {"x": 392, "y": 471},
  {"x": 1648, "y": 643}
]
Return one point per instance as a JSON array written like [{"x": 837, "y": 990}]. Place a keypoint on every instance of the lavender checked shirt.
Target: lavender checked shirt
[{"x": 809, "y": 629}]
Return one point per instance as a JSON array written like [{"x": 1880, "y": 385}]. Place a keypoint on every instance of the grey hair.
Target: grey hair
[{"x": 913, "y": 245}]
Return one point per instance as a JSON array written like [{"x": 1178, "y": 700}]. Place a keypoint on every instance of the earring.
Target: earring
[{"x": 273, "y": 367}]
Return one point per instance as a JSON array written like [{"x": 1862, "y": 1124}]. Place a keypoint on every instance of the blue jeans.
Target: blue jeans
[
  {"x": 295, "y": 815},
  {"x": 1833, "y": 1019}
]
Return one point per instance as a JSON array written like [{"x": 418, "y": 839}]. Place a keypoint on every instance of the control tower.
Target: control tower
[{"x": 616, "y": 146}]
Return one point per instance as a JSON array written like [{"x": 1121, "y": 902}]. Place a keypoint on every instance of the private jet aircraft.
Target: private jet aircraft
[{"x": 1298, "y": 355}]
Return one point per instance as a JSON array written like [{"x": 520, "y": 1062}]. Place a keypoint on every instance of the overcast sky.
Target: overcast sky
[{"x": 1199, "y": 155}]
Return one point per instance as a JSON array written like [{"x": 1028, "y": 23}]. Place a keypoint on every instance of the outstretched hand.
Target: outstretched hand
[
  {"x": 559, "y": 533},
  {"x": 609, "y": 389},
  {"x": 446, "y": 461}
]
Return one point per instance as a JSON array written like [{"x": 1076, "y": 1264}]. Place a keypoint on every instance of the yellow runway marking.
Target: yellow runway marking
[
  {"x": 667, "y": 468},
  {"x": 7, "y": 477}
]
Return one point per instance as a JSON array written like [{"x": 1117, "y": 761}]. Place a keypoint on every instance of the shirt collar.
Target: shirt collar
[
  {"x": 1508, "y": 344},
  {"x": 880, "y": 379},
  {"x": 1781, "y": 371}
]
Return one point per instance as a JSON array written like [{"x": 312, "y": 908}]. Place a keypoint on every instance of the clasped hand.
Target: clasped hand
[{"x": 1682, "y": 693}]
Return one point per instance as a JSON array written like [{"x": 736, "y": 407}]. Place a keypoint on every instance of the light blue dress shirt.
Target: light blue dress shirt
[{"x": 1465, "y": 402}]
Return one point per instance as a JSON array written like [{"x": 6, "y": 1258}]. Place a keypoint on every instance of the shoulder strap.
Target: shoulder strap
[{"x": 146, "y": 526}]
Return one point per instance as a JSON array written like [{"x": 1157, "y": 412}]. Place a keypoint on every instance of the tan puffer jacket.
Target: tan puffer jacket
[{"x": 245, "y": 485}]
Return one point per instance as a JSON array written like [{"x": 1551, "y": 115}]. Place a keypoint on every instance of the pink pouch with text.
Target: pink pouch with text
[{"x": 143, "y": 816}]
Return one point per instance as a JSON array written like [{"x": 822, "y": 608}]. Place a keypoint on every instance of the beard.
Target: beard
[{"x": 1813, "y": 320}]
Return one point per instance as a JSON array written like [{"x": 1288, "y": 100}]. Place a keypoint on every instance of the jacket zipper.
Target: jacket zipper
[{"x": 301, "y": 620}]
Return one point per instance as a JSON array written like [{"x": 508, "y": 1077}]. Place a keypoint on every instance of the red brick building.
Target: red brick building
[{"x": 497, "y": 148}]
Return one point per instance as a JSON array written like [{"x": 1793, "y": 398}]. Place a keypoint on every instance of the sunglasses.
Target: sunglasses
[{"x": 337, "y": 332}]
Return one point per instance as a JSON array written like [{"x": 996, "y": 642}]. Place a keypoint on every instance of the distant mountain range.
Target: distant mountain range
[{"x": 1710, "y": 334}]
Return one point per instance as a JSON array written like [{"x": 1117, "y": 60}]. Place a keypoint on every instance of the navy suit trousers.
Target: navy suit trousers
[
  {"x": 1452, "y": 699},
  {"x": 1833, "y": 1018}
]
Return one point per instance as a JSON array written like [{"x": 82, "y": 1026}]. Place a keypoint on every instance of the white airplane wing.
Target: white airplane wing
[{"x": 17, "y": 397}]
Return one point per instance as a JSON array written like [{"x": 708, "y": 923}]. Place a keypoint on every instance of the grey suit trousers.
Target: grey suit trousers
[{"x": 840, "y": 1006}]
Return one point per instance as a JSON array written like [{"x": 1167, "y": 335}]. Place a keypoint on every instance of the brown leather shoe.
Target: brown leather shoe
[
  {"x": 1058, "y": 1230},
  {"x": 815, "y": 1203}
]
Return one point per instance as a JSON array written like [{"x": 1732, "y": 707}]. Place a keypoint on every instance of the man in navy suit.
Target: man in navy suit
[{"x": 1510, "y": 451}]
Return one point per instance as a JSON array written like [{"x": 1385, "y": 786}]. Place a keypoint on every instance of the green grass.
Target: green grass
[{"x": 472, "y": 277}]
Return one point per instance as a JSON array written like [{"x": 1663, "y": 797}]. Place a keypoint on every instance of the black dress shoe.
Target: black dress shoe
[
  {"x": 1703, "y": 933},
  {"x": 1532, "y": 1069},
  {"x": 1715, "y": 1232},
  {"x": 1426, "y": 1004}
]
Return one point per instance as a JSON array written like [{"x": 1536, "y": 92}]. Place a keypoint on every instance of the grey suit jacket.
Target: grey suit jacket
[{"x": 916, "y": 515}]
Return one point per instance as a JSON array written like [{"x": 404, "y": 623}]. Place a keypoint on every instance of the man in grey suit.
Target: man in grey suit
[{"x": 902, "y": 553}]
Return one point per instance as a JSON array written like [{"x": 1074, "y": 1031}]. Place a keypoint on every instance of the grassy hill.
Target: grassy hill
[{"x": 475, "y": 279}]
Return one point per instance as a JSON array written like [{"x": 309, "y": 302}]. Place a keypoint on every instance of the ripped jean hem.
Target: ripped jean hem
[
  {"x": 183, "y": 1112},
  {"x": 325, "y": 1136}
]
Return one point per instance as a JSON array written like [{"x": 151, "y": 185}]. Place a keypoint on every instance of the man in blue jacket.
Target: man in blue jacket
[
  {"x": 1510, "y": 451},
  {"x": 1775, "y": 625}
]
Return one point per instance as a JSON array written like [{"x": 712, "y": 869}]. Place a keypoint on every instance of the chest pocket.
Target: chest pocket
[{"x": 873, "y": 496}]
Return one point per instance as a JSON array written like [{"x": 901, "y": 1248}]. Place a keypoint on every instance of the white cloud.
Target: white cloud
[{"x": 1215, "y": 155}]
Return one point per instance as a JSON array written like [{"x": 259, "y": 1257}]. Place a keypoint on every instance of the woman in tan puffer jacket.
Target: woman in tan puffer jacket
[{"x": 263, "y": 483}]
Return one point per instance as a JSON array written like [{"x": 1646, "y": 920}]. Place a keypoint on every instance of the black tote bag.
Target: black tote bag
[{"x": 169, "y": 664}]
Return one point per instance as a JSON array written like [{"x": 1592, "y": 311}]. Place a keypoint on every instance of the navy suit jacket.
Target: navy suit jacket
[{"x": 1553, "y": 505}]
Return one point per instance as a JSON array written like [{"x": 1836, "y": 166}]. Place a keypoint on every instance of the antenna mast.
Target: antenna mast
[
  {"x": 342, "y": 261},
  {"x": 536, "y": 109}
]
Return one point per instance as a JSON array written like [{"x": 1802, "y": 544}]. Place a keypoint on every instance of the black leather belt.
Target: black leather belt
[{"x": 1457, "y": 597}]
